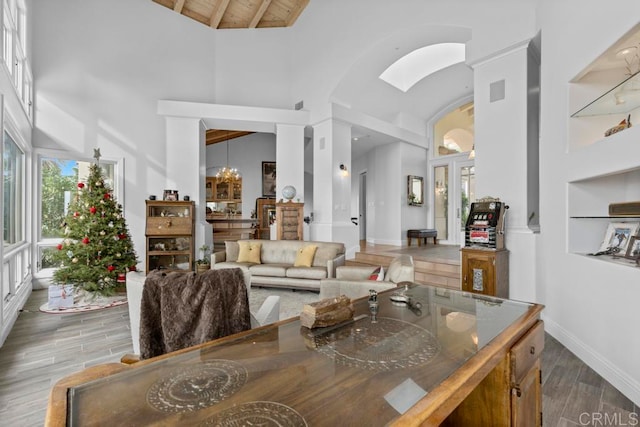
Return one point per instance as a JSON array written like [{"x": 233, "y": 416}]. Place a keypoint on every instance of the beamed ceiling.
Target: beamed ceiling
[{"x": 222, "y": 14}]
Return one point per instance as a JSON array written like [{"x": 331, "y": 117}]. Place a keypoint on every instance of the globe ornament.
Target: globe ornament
[{"x": 289, "y": 192}]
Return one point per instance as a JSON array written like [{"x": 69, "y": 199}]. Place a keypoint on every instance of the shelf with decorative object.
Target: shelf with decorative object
[
  {"x": 603, "y": 154},
  {"x": 169, "y": 235},
  {"x": 289, "y": 220}
]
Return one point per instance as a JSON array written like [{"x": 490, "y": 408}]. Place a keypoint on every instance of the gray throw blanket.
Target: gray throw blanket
[{"x": 182, "y": 309}]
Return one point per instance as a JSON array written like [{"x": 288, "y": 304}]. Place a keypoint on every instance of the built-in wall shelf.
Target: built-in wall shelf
[
  {"x": 601, "y": 169},
  {"x": 623, "y": 98}
]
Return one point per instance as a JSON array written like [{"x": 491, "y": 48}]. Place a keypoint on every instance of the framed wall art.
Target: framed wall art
[
  {"x": 633, "y": 251},
  {"x": 617, "y": 237},
  {"x": 269, "y": 179}
]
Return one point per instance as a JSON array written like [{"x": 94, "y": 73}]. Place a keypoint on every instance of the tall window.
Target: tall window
[
  {"x": 454, "y": 132},
  {"x": 13, "y": 191},
  {"x": 14, "y": 50},
  {"x": 59, "y": 178}
]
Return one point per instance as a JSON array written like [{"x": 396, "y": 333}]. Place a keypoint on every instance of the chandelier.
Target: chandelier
[{"x": 226, "y": 173}]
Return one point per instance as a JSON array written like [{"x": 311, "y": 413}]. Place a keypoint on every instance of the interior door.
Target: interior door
[
  {"x": 465, "y": 186},
  {"x": 362, "y": 207}
]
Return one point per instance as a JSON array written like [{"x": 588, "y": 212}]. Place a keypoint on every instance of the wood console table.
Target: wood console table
[{"x": 460, "y": 359}]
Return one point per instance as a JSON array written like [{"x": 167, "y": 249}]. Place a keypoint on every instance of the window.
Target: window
[
  {"x": 59, "y": 178},
  {"x": 13, "y": 191},
  {"x": 14, "y": 50},
  {"x": 454, "y": 132}
]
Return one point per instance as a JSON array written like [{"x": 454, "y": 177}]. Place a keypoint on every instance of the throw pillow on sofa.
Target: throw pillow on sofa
[
  {"x": 249, "y": 252},
  {"x": 377, "y": 275},
  {"x": 304, "y": 256}
]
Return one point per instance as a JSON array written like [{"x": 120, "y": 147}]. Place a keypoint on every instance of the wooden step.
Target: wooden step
[{"x": 435, "y": 272}]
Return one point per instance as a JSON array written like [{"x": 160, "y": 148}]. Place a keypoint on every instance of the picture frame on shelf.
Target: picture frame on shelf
[
  {"x": 618, "y": 236},
  {"x": 633, "y": 251},
  {"x": 269, "y": 179}
]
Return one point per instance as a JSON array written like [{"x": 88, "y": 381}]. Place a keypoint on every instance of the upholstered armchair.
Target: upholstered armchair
[{"x": 356, "y": 281}]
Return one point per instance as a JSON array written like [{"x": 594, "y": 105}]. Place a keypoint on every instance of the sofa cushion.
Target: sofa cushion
[
  {"x": 307, "y": 272},
  {"x": 231, "y": 249},
  {"x": 249, "y": 252},
  {"x": 400, "y": 270},
  {"x": 378, "y": 274},
  {"x": 304, "y": 257},
  {"x": 273, "y": 270}
]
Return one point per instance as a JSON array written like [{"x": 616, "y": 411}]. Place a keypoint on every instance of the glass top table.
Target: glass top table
[{"x": 371, "y": 370}]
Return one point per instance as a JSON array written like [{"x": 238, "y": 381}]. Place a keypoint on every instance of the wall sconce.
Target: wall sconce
[{"x": 343, "y": 168}]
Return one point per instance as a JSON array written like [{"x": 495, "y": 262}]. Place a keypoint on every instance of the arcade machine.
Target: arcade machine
[{"x": 485, "y": 261}]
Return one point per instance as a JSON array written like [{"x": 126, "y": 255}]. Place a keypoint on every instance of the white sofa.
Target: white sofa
[
  {"x": 277, "y": 258},
  {"x": 353, "y": 281}
]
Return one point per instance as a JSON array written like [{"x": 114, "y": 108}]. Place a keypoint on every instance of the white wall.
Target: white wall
[
  {"x": 591, "y": 306},
  {"x": 100, "y": 68}
]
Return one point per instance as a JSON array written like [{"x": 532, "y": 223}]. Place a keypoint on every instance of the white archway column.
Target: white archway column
[
  {"x": 331, "y": 188},
  {"x": 186, "y": 152},
  {"x": 506, "y": 143}
]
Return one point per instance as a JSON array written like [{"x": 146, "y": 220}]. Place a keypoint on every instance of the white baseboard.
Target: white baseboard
[{"x": 605, "y": 368}]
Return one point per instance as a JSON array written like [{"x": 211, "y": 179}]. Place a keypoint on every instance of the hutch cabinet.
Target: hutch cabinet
[
  {"x": 266, "y": 214},
  {"x": 169, "y": 235},
  {"x": 485, "y": 271},
  {"x": 224, "y": 198},
  {"x": 289, "y": 220}
]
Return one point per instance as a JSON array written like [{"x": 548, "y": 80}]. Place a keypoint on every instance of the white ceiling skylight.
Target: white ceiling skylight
[{"x": 416, "y": 65}]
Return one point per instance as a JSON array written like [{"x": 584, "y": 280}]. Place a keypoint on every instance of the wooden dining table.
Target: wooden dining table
[{"x": 446, "y": 357}]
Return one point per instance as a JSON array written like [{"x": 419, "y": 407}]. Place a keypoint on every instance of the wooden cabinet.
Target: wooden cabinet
[
  {"x": 485, "y": 271},
  {"x": 289, "y": 220},
  {"x": 513, "y": 386},
  {"x": 169, "y": 235},
  {"x": 266, "y": 214},
  {"x": 223, "y": 191},
  {"x": 224, "y": 198}
]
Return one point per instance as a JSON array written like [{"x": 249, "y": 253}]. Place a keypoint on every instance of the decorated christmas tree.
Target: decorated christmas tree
[{"x": 96, "y": 251}]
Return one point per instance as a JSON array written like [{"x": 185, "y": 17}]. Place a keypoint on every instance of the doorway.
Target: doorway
[
  {"x": 362, "y": 207},
  {"x": 454, "y": 187}
]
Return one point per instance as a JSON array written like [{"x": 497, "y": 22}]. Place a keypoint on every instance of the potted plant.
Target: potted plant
[{"x": 203, "y": 263}]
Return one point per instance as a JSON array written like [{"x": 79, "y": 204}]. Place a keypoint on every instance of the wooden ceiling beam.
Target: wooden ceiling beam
[
  {"x": 259, "y": 13},
  {"x": 214, "y": 136},
  {"x": 177, "y": 7},
  {"x": 216, "y": 18},
  {"x": 295, "y": 12}
]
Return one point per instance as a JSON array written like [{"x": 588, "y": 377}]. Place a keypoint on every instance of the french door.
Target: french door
[{"x": 453, "y": 183}]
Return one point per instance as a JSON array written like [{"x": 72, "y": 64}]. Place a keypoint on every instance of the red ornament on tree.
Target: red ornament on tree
[
  {"x": 76, "y": 214},
  {"x": 93, "y": 209},
  {"x": 122, "y": 236},
  {"x": 81, "y": 185},
  {"x": 59, "y": 246},
  {"x": 111, "y": 268},
  {"x": 107, "y": 196},
  {"x": 85, "y": 240},
  {"x": 133, "y": 268}
]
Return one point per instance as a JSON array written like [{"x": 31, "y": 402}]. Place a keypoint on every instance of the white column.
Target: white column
[
  {"x": 331, "y": 185},
  {"x": 186, "y": 170},
  {"x": 290, "y": 159},
  {"x": 503, "y": 167}
]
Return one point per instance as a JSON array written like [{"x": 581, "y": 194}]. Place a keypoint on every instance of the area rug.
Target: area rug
[
  {"x": 291, "y": 302},
  {"x": 87, "y": 302}
]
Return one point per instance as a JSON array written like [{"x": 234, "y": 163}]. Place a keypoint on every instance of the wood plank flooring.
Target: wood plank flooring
[{"x": 42, "y": 348}]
